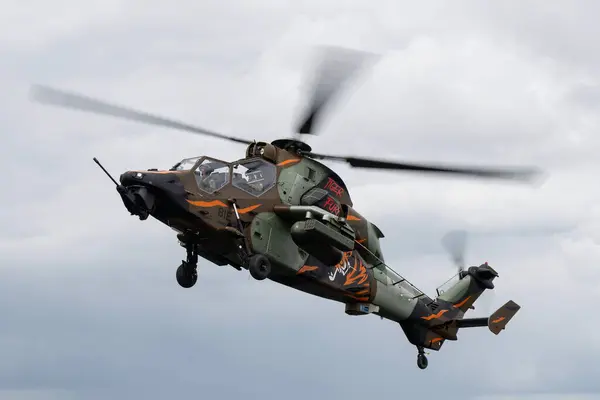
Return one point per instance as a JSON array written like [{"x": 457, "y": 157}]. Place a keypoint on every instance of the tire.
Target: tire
[
  {"x": 186, "y": 276},
  {"x": 259, "y": 267},
  {"x": 422, "y": 361}
]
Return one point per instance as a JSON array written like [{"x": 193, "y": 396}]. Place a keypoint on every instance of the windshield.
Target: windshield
[{"x": 186, "y": 164}]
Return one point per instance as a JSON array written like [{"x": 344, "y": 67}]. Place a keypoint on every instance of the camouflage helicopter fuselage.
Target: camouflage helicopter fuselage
[{"x": 298, "y": 214}]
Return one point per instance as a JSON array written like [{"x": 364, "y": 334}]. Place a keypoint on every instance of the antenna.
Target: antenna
[{"x": 106, "y": 172}]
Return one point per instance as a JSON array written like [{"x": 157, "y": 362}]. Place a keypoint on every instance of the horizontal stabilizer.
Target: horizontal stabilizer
[
  {"x": 471, "y": 322},
  {"x": 498, "y": 320}
]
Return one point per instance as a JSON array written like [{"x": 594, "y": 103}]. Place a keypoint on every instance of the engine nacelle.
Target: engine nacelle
[{"x": 325, "y": 242}]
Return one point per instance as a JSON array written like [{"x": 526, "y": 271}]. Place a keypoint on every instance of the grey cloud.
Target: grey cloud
[
  {"x": 542, "y": 396},
  {"x": 587, "y": 95},
  {"x": 90, "y": 304},
  {"x": 147, "y": 319},
  {"x": 565, "y": 34}
]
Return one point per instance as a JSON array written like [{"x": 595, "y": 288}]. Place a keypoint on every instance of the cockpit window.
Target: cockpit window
[
  {"x": 212, "y": 175},
  {"x": 185, "y": 164},
  {"x": 255, "y": 177}
]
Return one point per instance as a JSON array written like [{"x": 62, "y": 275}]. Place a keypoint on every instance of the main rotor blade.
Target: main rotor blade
[
  {"x": 47, "y": 95},
  {"x": 522, "y": 174},
  {"x": 335, "y": 66}
]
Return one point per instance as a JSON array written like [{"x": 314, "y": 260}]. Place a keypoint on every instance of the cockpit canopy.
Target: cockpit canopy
[
  {"x": 254, "y": 176},
  {"x": 186, "y": 164}
]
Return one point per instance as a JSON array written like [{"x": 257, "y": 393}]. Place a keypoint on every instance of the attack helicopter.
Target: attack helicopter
[{"x": 281, "y": 213}]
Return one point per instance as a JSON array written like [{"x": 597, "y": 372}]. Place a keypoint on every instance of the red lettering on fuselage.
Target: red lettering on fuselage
[
  {"x": 333, "y": 187},
  {"x": 331, "y": 205}
]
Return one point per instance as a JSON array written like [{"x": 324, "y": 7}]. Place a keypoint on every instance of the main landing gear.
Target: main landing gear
[
  {"x": 421, "y": 358},
  {"x": 258, "y": 265},
  {"x": 187, "y": 273}
]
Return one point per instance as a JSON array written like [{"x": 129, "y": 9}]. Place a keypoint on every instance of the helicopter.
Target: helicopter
[{"x": 281, "y": 214}]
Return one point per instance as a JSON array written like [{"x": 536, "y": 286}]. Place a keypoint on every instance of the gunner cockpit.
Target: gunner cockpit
[{"x": 254, "y": 176}]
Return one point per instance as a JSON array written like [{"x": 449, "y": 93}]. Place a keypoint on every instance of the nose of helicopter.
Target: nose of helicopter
[
  {"x": 130, "y": 178},
  {"x": 150, "y": 178},
  {"x": 152, "y": 191},
  {"x": 135, "y": 194}
]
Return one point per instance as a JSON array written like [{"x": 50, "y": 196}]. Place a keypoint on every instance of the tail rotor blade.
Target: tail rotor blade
[{"x": 455, "y": 243}]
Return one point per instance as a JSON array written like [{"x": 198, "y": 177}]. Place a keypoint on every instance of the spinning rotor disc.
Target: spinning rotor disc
[{"x": 336, "y": 67}]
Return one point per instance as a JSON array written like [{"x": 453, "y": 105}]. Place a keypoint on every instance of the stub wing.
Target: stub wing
[{"x": 498, "y": 320}]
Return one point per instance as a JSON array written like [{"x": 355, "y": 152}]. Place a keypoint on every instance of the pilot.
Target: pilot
[
  {"x": 255, "y": 179},
  {"x": 204, "y": 174}
]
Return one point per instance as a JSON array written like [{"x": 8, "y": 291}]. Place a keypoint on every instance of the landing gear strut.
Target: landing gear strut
[
  {"x": 421, "y": 358},
  {"x": 258, "y": 265},
  {"x": 187, "y": 274}
]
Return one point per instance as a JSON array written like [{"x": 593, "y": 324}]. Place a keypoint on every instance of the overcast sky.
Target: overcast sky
[{"x": 89, "y": 303}]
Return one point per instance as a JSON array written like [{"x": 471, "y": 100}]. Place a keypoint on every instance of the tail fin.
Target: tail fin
[
  {"x": 471, "y": 285},
  {"x": 498, "y": 320}
]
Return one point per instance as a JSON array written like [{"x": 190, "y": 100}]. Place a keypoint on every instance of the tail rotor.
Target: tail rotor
[{"x": 455, "y": 243}]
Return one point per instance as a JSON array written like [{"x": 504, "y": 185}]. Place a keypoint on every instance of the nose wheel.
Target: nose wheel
[
  {"x": 187, "y": 273},
  {"x": 421, "y": 359}
]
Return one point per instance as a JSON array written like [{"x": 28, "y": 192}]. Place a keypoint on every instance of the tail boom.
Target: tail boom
[
  {"x": 442, "y": 319},
  {"x": 433, "y": 322}
]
